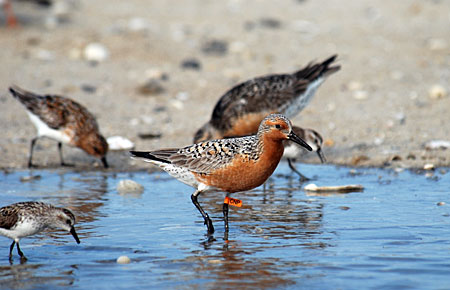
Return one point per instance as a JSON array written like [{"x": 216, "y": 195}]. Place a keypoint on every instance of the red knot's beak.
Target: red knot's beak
[{"x": 292, "y": 136}]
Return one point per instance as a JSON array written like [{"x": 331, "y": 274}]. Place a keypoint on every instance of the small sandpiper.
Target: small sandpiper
[
  {"x": 63, "y": 120},
  {"x": 240, "y": 110},
  {"x": 292, "y": 151},
  {"x": 25, "y": 219},
  {"x": 227, "y": 165}
]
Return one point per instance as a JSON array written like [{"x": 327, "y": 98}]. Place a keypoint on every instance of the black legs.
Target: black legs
[
  {"x": 11, "y": 248},
  {"x": 205, "y": 216},
  {"x": 302, "y": 177},
  {"x": 30, "y": 158}
]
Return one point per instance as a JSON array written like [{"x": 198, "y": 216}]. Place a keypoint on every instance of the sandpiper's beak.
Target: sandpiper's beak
[
  {"x": 105, "y": 164},
  {"x": 74, "y": 234},
  {"x": 321, "y": 155},
  {"x": 292, "y": 136}
]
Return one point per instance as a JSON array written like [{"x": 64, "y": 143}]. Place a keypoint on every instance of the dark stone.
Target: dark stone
[
  {"x": 191, "y": 63},
  {"x": 270, "y": 23},
  {"x": 215, "y": 47},
  {"x": 88, "y": 88}
]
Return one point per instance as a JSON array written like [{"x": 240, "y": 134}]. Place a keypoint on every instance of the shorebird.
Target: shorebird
[
  {"x": 25, "y": 219},
  {"x": 292, "y": 151},
  {"x": 229, "y": 165},
  {"x": 240, "y": 110},
  {"x": 63, "y": 120}
]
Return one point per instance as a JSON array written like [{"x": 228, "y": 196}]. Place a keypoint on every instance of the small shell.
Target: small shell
[
  {"x": 119, "y": 143},
  {"x": 129, "y": 186},
  {"x": 95, "y": 52},
  {"x": 337, "y": 188},
  {"x": 123, "y": 260},
  {"x": 437, "y": 92},
  {"x": 428, "y": 166}
]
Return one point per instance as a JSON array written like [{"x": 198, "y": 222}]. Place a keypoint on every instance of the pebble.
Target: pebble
[
  {"x": 360, "y": 95},
  {"x": 149, "y": 135},
  {"x": 378, "y": 141},
  {"x": 437, "y": 144},
  {"x": 156, "y": 73},
  {"x": 437, "y": 92},
  {"x": 428, "y": 166},
  {"x": 177, "y": 104},
  {"x": 88, "y": 88},
  {"x": 151, "y": 87},
  {"x": 259, "y": 230},
  {"x": 129, "y": 186},
  {"x": 191, "y": 63},
  {"x": 401, "y": 117},
  {"x": 270, "y": 23},
  {"x": 123, "y": 260},
  {"x": 95, "y": 52},
  {"x": 441, "y": 203},
  {"x": 119, "y": 143},
  {"x": 396, "y": 158},
  {"x": 215, "y": 47},
  {"x": 215, "y": 261},
  {"x": 138, "y": 24}
]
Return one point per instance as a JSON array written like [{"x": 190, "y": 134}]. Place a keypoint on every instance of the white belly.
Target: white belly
[{"x": 46, "y": 131}]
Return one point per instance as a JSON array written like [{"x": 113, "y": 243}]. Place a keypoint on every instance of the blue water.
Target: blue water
[{"x": 393, "y": 235}]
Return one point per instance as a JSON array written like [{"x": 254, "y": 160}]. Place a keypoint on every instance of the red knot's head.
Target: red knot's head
[{"x": 279, "y": 127}]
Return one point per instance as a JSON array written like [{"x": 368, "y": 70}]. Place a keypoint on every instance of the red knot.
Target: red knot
[{"x": 228, "y": 165}]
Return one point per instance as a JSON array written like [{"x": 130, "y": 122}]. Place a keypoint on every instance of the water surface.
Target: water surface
[{"x": 391, "y": 235}]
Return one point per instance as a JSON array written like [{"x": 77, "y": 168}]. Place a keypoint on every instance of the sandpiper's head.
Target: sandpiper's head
[
  {"x": 96, "y": 145},
  {"x": 278, "y": 127},
  {"x": 205, "y": 133},
  {"x": 65, "y": 220},
  {"x": 313, "y": 138}
]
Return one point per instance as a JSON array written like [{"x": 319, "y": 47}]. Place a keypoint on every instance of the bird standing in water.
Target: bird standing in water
[{"x": 228, "y": 165}]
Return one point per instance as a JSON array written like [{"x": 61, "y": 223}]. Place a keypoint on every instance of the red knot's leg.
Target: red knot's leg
[{"x": 208, "y": 221}]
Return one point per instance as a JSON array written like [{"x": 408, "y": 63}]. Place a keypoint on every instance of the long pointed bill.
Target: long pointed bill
[
  {"x": 74, "y": 234},
  {"x": 292, "y": 136},
  {"x": 321, "y": 155}
]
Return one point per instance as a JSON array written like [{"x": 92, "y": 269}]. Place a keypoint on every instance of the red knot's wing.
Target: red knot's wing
[{"x": 208, "y": 156}]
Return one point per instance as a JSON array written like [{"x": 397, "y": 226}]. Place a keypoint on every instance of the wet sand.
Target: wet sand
[{"x": 389, "y": 100}]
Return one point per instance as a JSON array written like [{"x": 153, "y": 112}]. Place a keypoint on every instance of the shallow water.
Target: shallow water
[{"x": 391, "y": 235}]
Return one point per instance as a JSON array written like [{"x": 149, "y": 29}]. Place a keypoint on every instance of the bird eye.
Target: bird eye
[
  {"x": 69, "y": 222},
  {"x": 278, "y": 126}
]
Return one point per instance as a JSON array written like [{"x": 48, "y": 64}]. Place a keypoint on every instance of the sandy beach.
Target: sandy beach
[{"x": 160, "y": 67}]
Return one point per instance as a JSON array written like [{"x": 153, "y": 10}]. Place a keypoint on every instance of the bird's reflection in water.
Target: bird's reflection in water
[{"x": 281, "y": 213}]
